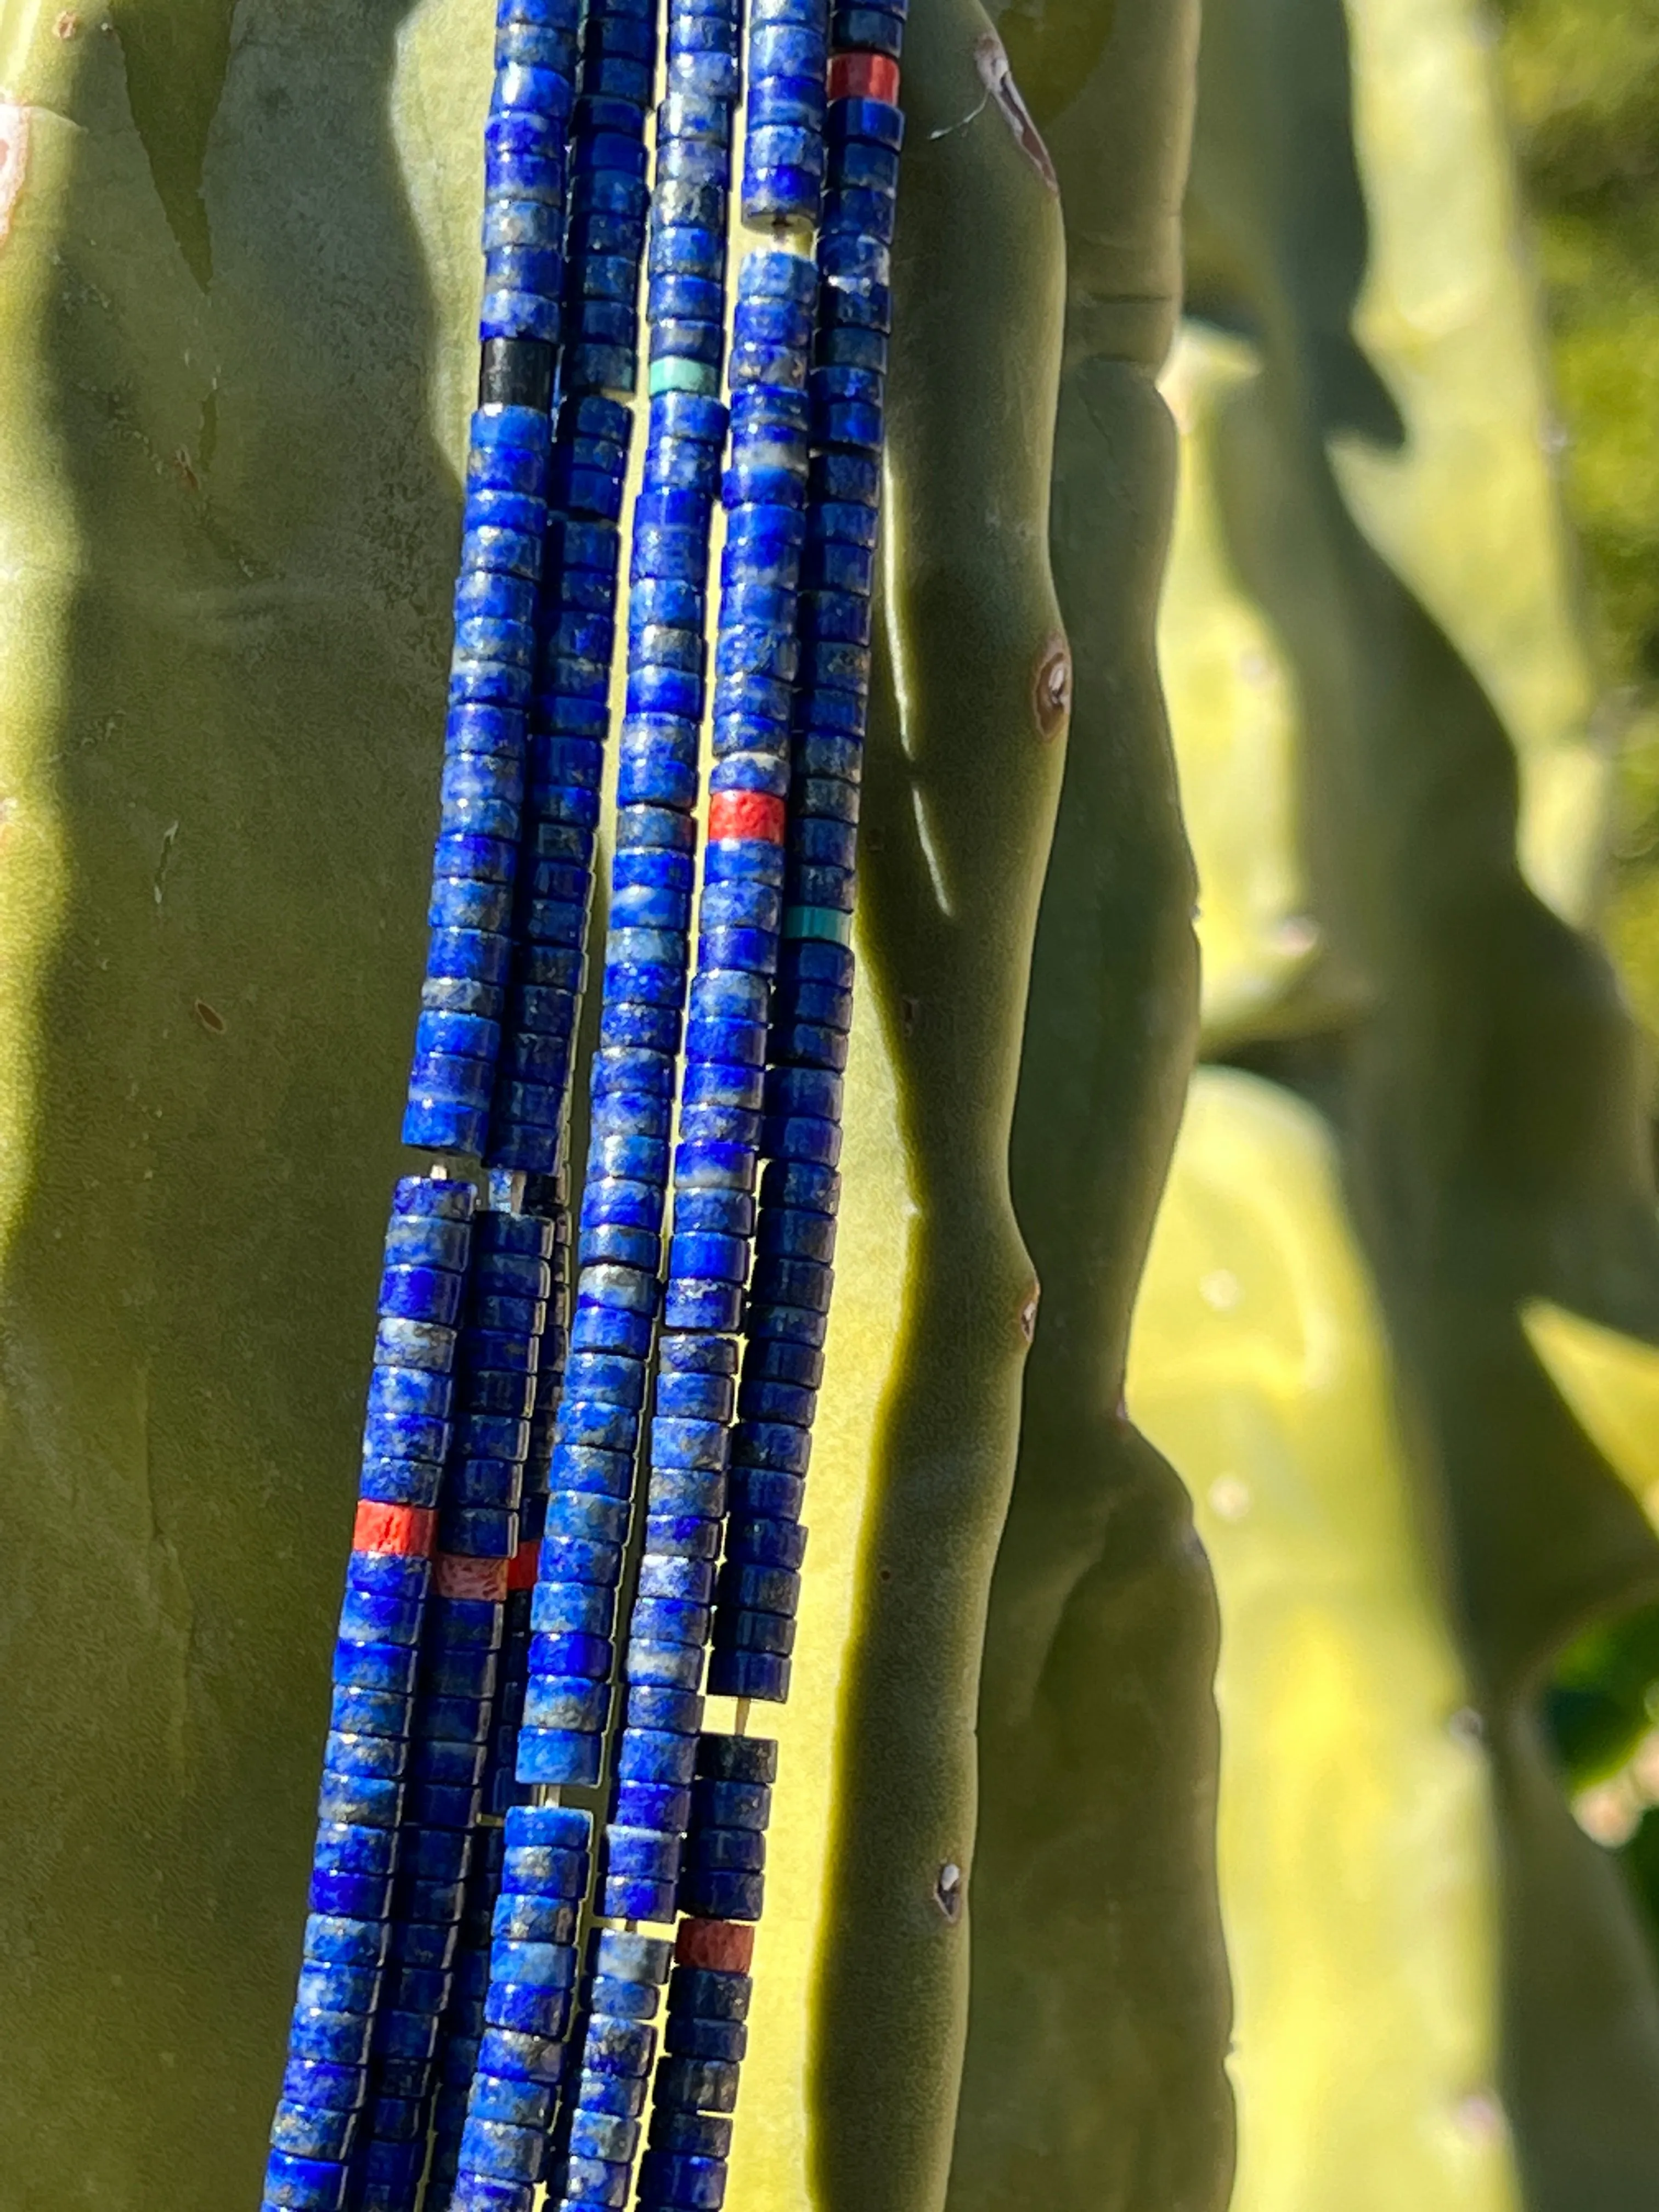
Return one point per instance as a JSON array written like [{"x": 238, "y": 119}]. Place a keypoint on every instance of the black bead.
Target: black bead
[{"x": 516, "y": 373}]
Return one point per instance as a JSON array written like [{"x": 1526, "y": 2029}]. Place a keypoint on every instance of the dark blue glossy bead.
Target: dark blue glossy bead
[
  {"x": 870, "y": 30},
  {"x": 693, "y": 115},
  {"x": 658, "y": 1708},
  {"x": 789, "y": 102},
  {"x": 679, "y": 555},
  {"x": 366, "y": 1663},
  {"x": 523, "y": 1917},
  {"x": 601, "y": 231},
  {"x": 621, "y": 2047},
  {"x": 721, "y": 1894},
  {"x": 589, "y": 364},
  {"x": 753, "y": 364},
  {"x": 731, "y": 908},
  {"x": 367, "y": 1712},
  {"x": 703, "y": 159},
  {"x": 358, "y": 1757},
  {"x": 676, "y": 1442},
  {"x": 591, "y": 1518},
  {"x": 676, "y": 1666},
  {"x": 323, "y": 2087},
  {"x": 696, "y": 2085},
  {"x": 610, "y": 192},
  {"x": 685, "y": 339},
  {"x": 671, "y": 1620},
  {"x": 681, "y": 1536},
  {"x": 601, "y": 151},
  {"x": 790, "y": 191},
  {"x": 686, "y": 250},
  {"x": 655, "y": 1755},
  {"x": 304, "y": 2184},
  {"x": 852, "y": 346},
  {"x": 442, "y": 1807},
  {"x": 711, "y": 1084},
  {"x": 684, "y": 300},
  {"x": 735, "y": 1776},
  {"x": 692, "y": 416},
  {"x": 628, "y": 1023},
  {"x": 664, "y": 1577},
  {"x": 601, "y": 1328},
  {"x": 337, "y": 1987},
  {"x": 677, "y": 1490},
  {"x": 336, "y": 2038},
  {"x": 642, "y": 1854},
  {"x": 695, "y": 1397},
  {"x": 700, "y": 1993},
  {"x": 512, "y": 2057},
  {"x": 574, "y": 1654},
  {"x": 337, "y": 1943},
  {"x": 630, "y": 1248},
  {"x": 709, "y": 75},
  {"x": 373, "y": 1617},
  {"x": 607, "y": 1378},
  {"x": 572, "y": 1560},
  {"x": 481, "y": 2192},
  {"x": 521, "y": 2104}
]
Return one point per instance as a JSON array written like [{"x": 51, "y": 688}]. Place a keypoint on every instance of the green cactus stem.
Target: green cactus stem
[
  {"x": 1489, "y": 1093},
  {"x": 1100, "y": 2009}
]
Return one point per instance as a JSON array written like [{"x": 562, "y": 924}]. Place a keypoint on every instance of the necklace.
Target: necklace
[{"x": 441, "y": 2028}]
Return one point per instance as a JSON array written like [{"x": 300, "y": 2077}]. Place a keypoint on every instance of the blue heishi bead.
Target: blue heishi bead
[
  {"x": 515, "y": 2057},
  {"x": 527, "y": 2011},
  {"x": 338, "y": 2038},
  {"x": 372, "y": 1617},
  {"x": 682, "y": 1535},
  {"x": 670, "y": 1578},
  {"x": 667, "y": 1808},
  {"x": 621, "y": 2095},
  {"x": 670, "y": 1620},
  {"x": 591, "y": 1470},
  {"x": 323, "y": 2087},
  {"x": 744, "y": 1849},
  {"x": 689, "y": 1490},
  {"x": 692, "y": 2134},
  {"x": 692, "y": 1396},
  {"x": 688, "y": 415},
  {"x": 304, "y": 2184},
  {"x": 687, "y": 2183},
  {"x": 332, "y": 1939},
  {"x": 745, "y": 1674},
  {"x": 558, "y": 1755},
  {"x": 643, "y": 1853},
  {"x": 572, "y": 1704},
  {"x": 653, "y": 1705},
  {"x": 355, "y": 1897},
  {"x": 718, "y": 1803},
  {"x": 364, "y": 1663},
  {"x": 521, "y": 1918},
  {"x": 656, "y": 1755},
  {"x": 674, "y": 1666},
  {"x": 521, "y": 2104},
  {"x": 702, "y": 1993},
  {"x": 533, "y": 1966},
  {"x": 707, "y": 2085},
  {"x": 480, "y": 2192}
]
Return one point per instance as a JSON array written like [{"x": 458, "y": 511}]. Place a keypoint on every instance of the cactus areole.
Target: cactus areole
[{"x": 532, "y": 1600}]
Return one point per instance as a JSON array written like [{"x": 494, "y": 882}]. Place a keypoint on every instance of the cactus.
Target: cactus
[
  {"x": 1094, "y": 2072},
  {"x": 1490, "y": 1097}
]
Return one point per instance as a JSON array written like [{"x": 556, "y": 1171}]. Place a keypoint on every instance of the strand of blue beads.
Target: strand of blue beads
[
  {"x": 569, "y": 716},
  {"x": 704, "y": 2040},
  {"x": 763, "y": 492},
  {"x": 812, "y": 1015},
  {"x": 406, "y": 1439},
  {"x": 482, "y": 2119},
  {"x": 508, "y": 1283},
  {"x": 458, "y": 1037}
]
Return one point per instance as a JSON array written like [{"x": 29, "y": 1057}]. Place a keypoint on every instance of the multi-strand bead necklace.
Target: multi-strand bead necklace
[{"x": 450, "y": 2045}]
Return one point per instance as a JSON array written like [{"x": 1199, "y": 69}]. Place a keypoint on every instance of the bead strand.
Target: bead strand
[
  {"x": 647, "y": 956},
  {"x": 789, "y": 1292},
  {"x": 406, "y": 1439},
  {"x": 458, "y": 1037},
  {"x": 696, "y": 2087},
  {"x": 508, "y": 1284}
]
